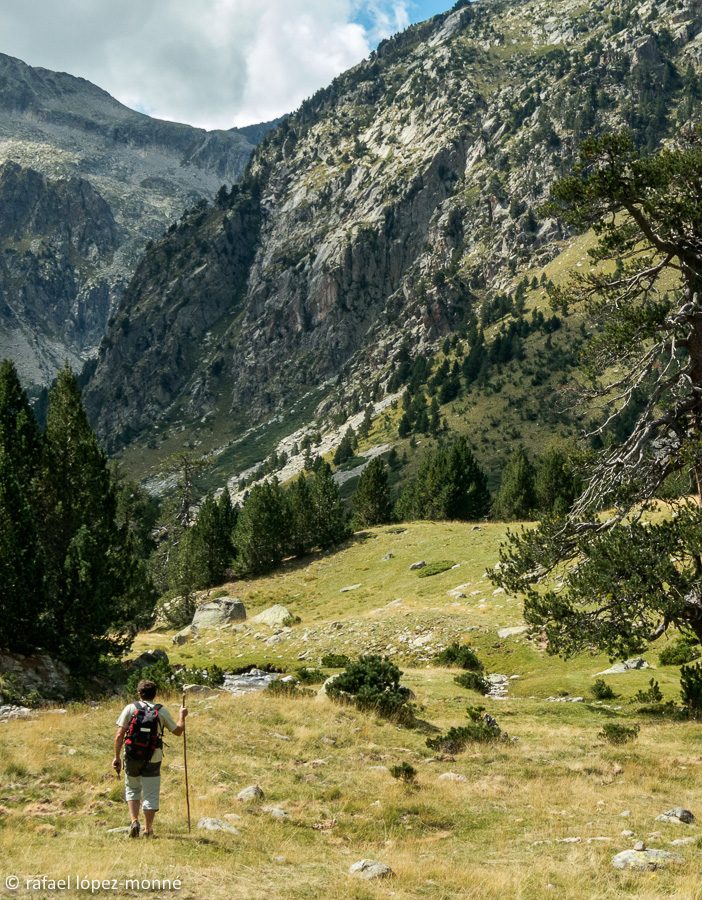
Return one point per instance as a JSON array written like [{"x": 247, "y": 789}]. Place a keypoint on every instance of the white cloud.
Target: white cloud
[{"x": 214, "y": 63}]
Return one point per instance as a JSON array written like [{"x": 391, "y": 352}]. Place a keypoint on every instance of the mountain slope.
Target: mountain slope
[
  {"x": 61, "y": 135},
  {"x": 388, "y": 211}
]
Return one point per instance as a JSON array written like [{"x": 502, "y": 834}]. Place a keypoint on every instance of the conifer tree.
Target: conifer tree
[
  {"x": 371, "y": 502},
  {"x": 97, "y": 589},
  {"x": 557, "y": 484},
  {"x": 301, "y": 516},
  {"x": 516, "y": 498},
  {"x": 328, "y": 514},
  {"x": 449, "y": 485},
  {"x": 262, "y": 532},
  {"x": 21, "y": 571}
]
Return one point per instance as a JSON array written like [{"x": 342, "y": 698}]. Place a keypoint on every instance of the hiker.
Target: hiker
[{"x": 140, "y": 730}]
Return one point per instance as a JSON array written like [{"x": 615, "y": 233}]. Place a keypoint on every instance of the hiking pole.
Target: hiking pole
[{"x": 185, "y": 763}]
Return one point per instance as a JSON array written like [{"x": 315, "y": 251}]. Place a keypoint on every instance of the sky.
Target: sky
[{"x": 210, "y": 63}]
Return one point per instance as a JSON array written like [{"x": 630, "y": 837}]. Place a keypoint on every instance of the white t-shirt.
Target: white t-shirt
[{"x": 125, "y": 718}]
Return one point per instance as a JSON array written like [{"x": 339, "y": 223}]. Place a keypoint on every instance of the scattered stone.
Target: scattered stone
[
  {"x": 388, "y": 556},
  {"x": 10, "y": 712},
  {"x": 232, "y": 817},
  {"x": 123, "y": 829},
  {"x": 248, "y": 682},
  {"x": 598, "y": 840},
  {"x": 250, "y": 794},
  {"x": 499, "y": 685},
  {"x": 677, "y": 816},
  {"x": 643, "y": 860},
  {"x": 417, "y": 565},
  {"x": 277, "y": 812},
  {"x": 219, "y": 612},
  {"x": 625, "y": 813},
  {"x": 208, "y": 824},
  {"x": 200, "y": 689},
  {"x": 452, "y": 776},
  {"x": 655, "y": 835},
  {"x": 370, "y": 869},
  {"x": 629, "y": 665},
  {"x": 680, "y": 842},
  {"x": 512, "y": 631},
  {"x": 322, "y": 692},
  {"x": 274, "y": 616},
  {"x": 349, "y": 587},
  {"x": 498, "y": 591},
  {"x": 627, "y": 833},
  {"x": 569, "y": 840},
  {"x": 565, "y": 699},
  {"x": 186, "y": 634},
  {"x": 476, "y": 528}
]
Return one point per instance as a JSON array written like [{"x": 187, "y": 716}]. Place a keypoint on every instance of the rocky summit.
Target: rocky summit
[
  {"x": 389, "y": 209},
  {"x": 85, "y": 183}
]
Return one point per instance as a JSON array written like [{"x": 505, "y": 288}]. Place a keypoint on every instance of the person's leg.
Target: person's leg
[
  {"x": 133, "y": 791},
  {"x": 152, "y": 791}
]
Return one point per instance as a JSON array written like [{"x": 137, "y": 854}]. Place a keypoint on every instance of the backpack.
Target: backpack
[{"x": 144, "y": 733}]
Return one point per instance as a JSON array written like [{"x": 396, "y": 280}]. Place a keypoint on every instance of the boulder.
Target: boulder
[
  {"x": 277, "y": 812},
  {"x": 149, "y": 658},
  {"x": 452, "y": 776},
  {"x": 274, "y": 616},
  {"x": 37, "y": 673},
  {"x": 513, "y": 631},
  {"x": 185, "y": 635},
  {"x": 222, "y": 611},
  {"x": 418, "y": 565},
  {"x": 208, "y": 824},
  {"x": 643, "y": 860},
  {"x": 350, "y": 587},
  {"x": 322, "y": 692},
  {"x": 629, "y": 665},
  {"x": 370, "y": 869},
  {"x": 677, "y": 816},
  {"x": 250, "y": 794},
  {"x": 8, "y": 713}
]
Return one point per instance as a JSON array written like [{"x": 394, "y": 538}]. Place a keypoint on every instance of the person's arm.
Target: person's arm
[
  {"x": 119, "y": 741},
  {"x": 180, "y": 725}
]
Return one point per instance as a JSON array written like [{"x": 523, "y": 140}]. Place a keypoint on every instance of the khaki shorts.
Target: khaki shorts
[{"x": 143, "y": 782}]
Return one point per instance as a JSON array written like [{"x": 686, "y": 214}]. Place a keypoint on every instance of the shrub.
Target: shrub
[
  {"x": 436, "y": 568},
  {"x": 459, "y": 655},
  {"x": 683, "y": 651},
  {"x": 602, "y": 691},
  {"x": 311, "y": 676},
  {"x": 335, "y": 660},
  {"x": 614, "y": 733},
  {"x": 176, "y": 612},
  {"x": 691, "y": 689},
  {"x": 404, "y": 772},
  {"x": 482, "y": 728},
  {"x": 168, "y": 678},
  {"x": 473, "y": 681},
  {"x": 652, "y": 695},
  {"x": 373, "y": 683},
  {"x": 289, "y": 689}
]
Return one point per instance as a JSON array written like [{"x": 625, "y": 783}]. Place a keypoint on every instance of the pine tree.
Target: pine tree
[
  {"x": 97, "y": 588},
  {"x": 476, "y": 359},
  {"x": 371, "y": 502},
  {"x": 301, "y": 516},
  {"x": 21, "y": 570},
  {"x": 557, "y": 484},
  {"x": 449, "y": 485},
  {"x": 262, "y": 532},
  {"x": 328, "y": 516},
  {"x": 207, "y": 545},
  {"x": 516, "y": 498}
]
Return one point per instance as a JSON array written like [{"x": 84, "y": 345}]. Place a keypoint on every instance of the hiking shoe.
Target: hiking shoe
[
  {"x": 149, "y": 834},
  {"x": 134, "y": 830}
]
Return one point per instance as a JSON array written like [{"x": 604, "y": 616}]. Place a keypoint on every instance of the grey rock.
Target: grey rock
[
  {"x": 10, "y": 712},
  {"x": 388, "y": 556},
  {"x": 123, "y": 829},
  {"x": 185, "y": 635},
  {"x": 200, "y": 689},
  {"x": 370, "y": 869},
  {"x": 418, "y": 565},
  {"x": 277, "y": 812},
  {"x": 349, "y": 587},
  {"x": 642, "y": 860},
  {"x": 149, "y": 658},
  {"x": 274, "y": 616},
  {"x": 452, "y": 776},
  {"x": 682, "y": 842},
  {"x": 219, "y": 612},
  {"x": 208, "y": 824},
  {"x": 512, "y": 631},
  {"x": 677, "y": 816},
  {"x": 629, "y": 665},
  {"x": 250, "y": 794},
  {"x": 39, "y": 672}
]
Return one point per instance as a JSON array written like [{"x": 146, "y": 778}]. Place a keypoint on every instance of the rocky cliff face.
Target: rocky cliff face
[
  {"x": 386, "y": 210},
  {"x": 85, "y": 183}
]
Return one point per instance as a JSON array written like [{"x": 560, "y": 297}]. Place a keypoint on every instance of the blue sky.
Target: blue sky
[{"x": 212, "y": 63}]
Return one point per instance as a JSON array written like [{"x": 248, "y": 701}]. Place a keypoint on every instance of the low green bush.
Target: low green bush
[
  {"x": 290, "y": 689},
  {"x": 311, "y": 676},
  {"x": 614, "y": 733},
  {"x": 684, "y": 650},
  {"x": 404, "y": 772},
  {"x": 170, "y": 678},
  {"x": 482, "y": 728},
  {"x": 436, "y": 568},
  {"x": 335, "y": 660},
  {"x": 459, "y": 655},
  {"x": 372, "y": 683},
  {"x": 602, "y": 691},
  {"x": 653, "y": 694},
  {"x": 473, "y": 681},
  {"x": 691, "y": 689}
]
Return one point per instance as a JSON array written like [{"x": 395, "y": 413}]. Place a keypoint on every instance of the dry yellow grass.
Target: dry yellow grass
[{"x": 494, "y": 835}]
